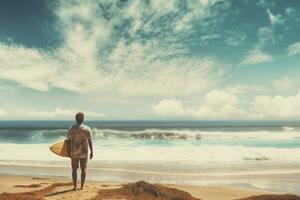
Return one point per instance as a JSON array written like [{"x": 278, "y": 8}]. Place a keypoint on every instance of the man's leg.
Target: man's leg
[
  {"x": 83, "y": 166},
  {"x": 75, "y": 162}
]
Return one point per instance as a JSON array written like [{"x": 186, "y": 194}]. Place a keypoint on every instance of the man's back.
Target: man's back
[{"x": 79, "y": 135}]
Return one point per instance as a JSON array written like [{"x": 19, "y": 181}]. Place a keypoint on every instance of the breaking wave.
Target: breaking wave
[{"x": 151, "y": 134}]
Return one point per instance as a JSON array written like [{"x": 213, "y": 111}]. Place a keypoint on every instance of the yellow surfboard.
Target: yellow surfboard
[{"x": 60, "y": 148}]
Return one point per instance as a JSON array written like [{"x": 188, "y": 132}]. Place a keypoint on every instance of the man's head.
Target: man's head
[{"x": 79, "y": 117}]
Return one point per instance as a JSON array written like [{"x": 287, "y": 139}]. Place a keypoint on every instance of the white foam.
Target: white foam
[
  {"x": 199, "y": 134},
  {"x": 287, "y": 128},
  {"x": 180, "y": 153}
]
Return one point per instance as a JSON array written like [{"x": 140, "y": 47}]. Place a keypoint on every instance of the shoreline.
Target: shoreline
[{"x": 203, "y": 174}]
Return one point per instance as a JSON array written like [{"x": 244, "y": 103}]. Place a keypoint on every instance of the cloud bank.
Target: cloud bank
[
  {"x": 216, "y": 105},
  {"x": 227, "y": 105}
]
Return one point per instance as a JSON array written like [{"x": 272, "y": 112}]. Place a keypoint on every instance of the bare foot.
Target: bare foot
[{"x": 74, "y": 188}]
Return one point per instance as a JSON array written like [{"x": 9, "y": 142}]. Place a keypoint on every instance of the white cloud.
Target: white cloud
[
  {"x": 29, "y": 67},
  {"x": 249, "y": 89},
  {"x": 266, "y": 4},
  {"x": 58, "y": 113},
  {"x": 91, "y": 59},
  {"x": 274, "y": 19},
  {"x": 216, "y": 105},
  {"x": 2, "y": 113},
  {"x": 219, "y": 105},
  {"x": 163, "y": 6},
  {"x": 197, "y": 10},
  {"x": 266, "y": 34},
  {"x": 256, "y": 56},
  {"x": 276, "y": 107},
  {"x": 265, "y": 37},
  {"x": 84, "y": 32},
  {"x": 150, "y": 67},
  {"x": 217, "y": 98},
  {"x": 139, "y": 70},
  {"x": 294, "y": 49},
  {"x": 222, "y": 104},
  {"x": 235, "y": 38},
  {"x": 71, "y": 66},
  {"x": 205, "y": 38},
  {"x": 284, "y": 83},
  {"x": 291, "y": 12},
  {"x": 169, "y": 107}
]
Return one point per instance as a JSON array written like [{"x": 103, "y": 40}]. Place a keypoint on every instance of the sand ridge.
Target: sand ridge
[{"x": 142, "y": 190}]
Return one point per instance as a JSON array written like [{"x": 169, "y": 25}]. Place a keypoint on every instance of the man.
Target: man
[{"x": 79, "y": 139}]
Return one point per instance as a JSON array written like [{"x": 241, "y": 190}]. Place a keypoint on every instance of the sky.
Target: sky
[{"x": 150, "y": 59}]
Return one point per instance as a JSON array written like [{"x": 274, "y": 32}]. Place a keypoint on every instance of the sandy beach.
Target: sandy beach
[{"x": 24, "y": 187}]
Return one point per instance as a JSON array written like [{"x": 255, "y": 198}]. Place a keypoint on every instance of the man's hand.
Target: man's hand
[{"x": 91, "y": 156}]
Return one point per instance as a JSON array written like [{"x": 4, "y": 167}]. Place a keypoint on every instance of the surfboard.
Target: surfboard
[{"x": 60, "y": 148}]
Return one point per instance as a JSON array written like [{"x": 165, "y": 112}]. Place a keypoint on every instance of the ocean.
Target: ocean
[{"x": 221, "y": 148}]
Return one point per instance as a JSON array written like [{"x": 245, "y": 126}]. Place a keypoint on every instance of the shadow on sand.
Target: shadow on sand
[{"x": 59, "y": 192}]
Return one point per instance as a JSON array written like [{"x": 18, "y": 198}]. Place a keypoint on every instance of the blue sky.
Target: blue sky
[{"x": 193, "y": 60}]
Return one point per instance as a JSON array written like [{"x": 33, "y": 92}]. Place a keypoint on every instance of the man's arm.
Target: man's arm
[{"x": 91, "y": 148}]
